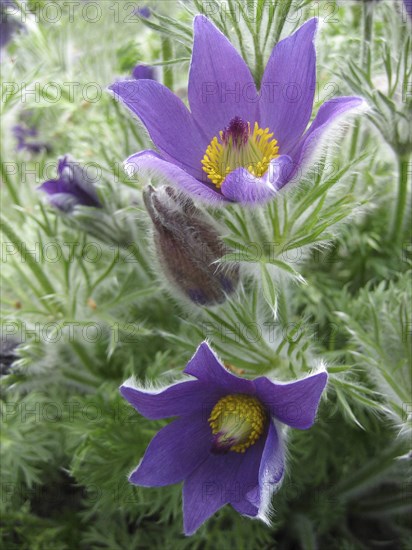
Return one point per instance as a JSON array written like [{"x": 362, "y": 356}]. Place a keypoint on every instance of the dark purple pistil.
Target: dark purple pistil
[
  {"x": 238, "y": 130},
  {"x": 221, "y": 444}
]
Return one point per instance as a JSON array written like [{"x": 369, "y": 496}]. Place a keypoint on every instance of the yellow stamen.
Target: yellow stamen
[
  {"x": 227, "y": 153},
  {"x": 237, "y": 421}
]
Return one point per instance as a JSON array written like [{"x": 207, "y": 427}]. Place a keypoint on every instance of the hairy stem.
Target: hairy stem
[
  {"x": 167, "y": 54},
  {"x": 367, "y": 34},
  {"x": 402, "y": 199}
]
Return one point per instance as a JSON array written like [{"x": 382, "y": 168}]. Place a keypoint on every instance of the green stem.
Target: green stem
[
  {"x": 353, "y": 150},
  {"x": 260, "y": 6},
  {"x": 282, "y": 304},
  {"x": 403, "y": 177},
  {"x": 167, "y": 54},
  {"x": 257, "y": 226},
  {"x": 237, "y": 30},
  {"x": 354, "y": 144},
  {"x": 259, "y": 61},
  {"x": 256, "y": 42},
  {"x": 282, "y": 18},
  {"x": 367, "y": 34},
  {"x": 367, "y": 17}
]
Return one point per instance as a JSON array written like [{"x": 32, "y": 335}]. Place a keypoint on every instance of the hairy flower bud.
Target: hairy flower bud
[{"x": 189, "y": 247}]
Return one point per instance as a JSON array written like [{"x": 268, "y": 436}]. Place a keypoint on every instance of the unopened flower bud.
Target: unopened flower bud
[
  {"x": 189, "y": 247},
  {"x": 73, "y": 187}
]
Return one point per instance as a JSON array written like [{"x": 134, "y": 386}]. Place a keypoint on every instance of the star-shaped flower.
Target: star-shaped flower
[
  {"x": 236, "y": 143},
  {"x": 226, "y": 444}
]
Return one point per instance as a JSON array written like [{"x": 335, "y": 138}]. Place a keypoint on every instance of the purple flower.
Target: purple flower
[
  {"x": 26, "y": 142},
  {"x": 8, "y": 23},
  {"x": 143, "y": 72},
  {"x": 408, "y": 7},
  {"x": 235, "y": 144},
  {"x": 73, "y": 187},
  {"x": 226, "y": 444},
  {"x": 144, "y": 12}
]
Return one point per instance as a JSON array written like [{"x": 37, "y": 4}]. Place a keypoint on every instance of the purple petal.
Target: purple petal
[
  {"x": 280, "y": 171},
  {"x": 151, "y": 165},
  {"x": 144, "y": 12},
  {"x": 77, "y": 179},
  {"x": 181, "y": 399},
  {"x": 206, "y": 367},
  {"x": 288, "y": 87},
  {"x": 408, "y": 7},
  {"x": 72, "y": 188},
  {"x": 294, "y": 403},
  {"x": 52, "y": 187},
  {"x": 204, "y": 492},
  {"x": 174, "y": 453},
  {"x": 271, "y": 470},
  {"x": 8, "y": 24},
  {"x": 272, "y": 465},
  {"x": 61, "y": 195},
  {"x": 245, "y": 508},
  {"x": 23, "y": 134},
  {"x": 167, "y": 120},
  {"x": 63, "y": 163},
  {"x": 220, "y": 480},
  {"x": 248, "y": 501},
  {"x": 63, "y": 201},
  {"x": 241, "y": 186},
  {"x": 221, "y": 86},
  {"x": 6, "y": 31},
  {"x": 329, "y": 114}
]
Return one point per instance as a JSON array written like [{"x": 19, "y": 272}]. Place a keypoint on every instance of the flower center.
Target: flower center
[
  {"x": 237, "y": 422},
  {"x": 238, "y": 147}
]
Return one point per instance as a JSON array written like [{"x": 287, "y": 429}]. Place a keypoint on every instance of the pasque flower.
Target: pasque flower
[
  {"x": 73, "y": 187},
  {"x": 9, "y": 23},
  {"x": 143, "y": 12},
  {"x": 188, "y": 247},
  {"x": 27, "y": 140},
  {"x": 234, "y": 144},
  {"x": 226, "y": 444}
]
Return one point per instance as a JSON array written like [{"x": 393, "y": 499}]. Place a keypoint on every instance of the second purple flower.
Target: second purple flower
[{"x": 226, "y": 444}]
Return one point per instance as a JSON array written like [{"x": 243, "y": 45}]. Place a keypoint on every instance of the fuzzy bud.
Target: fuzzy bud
[{"x": 188, "y": 247}]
